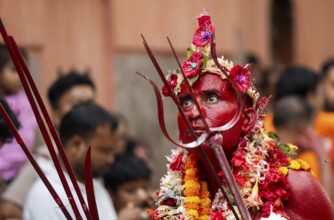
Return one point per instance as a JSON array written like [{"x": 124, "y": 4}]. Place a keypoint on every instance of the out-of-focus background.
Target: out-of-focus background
[{"x": 103, "y": 37}]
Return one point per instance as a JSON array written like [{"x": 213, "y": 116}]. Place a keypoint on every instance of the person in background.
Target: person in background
[
  {"x": 11, "y": 155},
  {"x": 142, "y": 150},
  {"x": 305, "y": 83},
  {"x": 68, "y": 90},
  {"x": 85, "y": 125},
  {"x": 294, "y": 123},
  {"x": 300, "y": 81},
  {"x": 5, "y": 133},
  {"x": 127, "y": 182},
  {"x": 324, "y": 123}
]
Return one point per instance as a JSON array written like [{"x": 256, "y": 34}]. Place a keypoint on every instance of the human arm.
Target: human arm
[
  {"x": 12, "y": 156},
  {"x": 308, "y": 200},
  {"x": 16, "y": 192}
]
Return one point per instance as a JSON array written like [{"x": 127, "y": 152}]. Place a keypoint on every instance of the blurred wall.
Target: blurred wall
[
  {"x": 314, "y": 32},
  {"x": 62, "y": 35}
]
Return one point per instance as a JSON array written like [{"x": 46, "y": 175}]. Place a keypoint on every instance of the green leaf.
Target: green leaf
[
  {"x": 284, "y": 148},
  {"x": 189, "y": 52},
  {"x": 205, "y": 60},
  {"x": 193, "y": 79},
  {"x": 274, "y": 136},
  {"x": 292, "y": 153}
]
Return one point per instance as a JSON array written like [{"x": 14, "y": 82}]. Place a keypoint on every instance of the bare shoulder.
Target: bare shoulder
[{"x": 308, "y": 200}]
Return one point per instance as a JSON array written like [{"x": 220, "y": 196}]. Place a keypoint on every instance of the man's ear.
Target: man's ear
[
  {"x": 249, "y": 117},
  {"x": 56, "y": 118},
  {"x": 75, "y": 146}
]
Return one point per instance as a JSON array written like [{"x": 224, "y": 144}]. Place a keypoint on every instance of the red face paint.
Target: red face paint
[{"x": 218, "y": 102}]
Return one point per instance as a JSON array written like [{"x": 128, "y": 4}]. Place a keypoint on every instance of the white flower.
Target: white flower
[{"x": 274, "y": 216}]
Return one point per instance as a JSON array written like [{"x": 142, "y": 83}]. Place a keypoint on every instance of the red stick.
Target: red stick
[
  {"x": 39, "y": 121},
  {"x": 51, "y": 128},
  {"x": 90, "y": 186},
  {"x": 33, "y": 162}
]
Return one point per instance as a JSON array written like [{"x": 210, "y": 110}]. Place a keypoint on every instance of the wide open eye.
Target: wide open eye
[
  {"x": 212, "y": 99},
  {"x": 187, "y": 102}
]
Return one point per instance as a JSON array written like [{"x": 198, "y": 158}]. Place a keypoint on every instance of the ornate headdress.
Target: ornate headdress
[{"x": 198, "y": 62}]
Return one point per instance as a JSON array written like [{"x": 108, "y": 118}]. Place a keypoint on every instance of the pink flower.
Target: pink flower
[
  {"x": 204, "y": 33},
  {"x": 241, "y": 77},
  {"x": 217, "y": 215},
  {"x": 240, "y": 180},
  {"x": 191, "y": 67},
  {"x": 238, "y": 159},
  {"x": 176, "y": 165},
  {"x": 172, "y": 83}
]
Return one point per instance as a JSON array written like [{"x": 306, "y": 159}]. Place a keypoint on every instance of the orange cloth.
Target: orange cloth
[
  {"x": 312, "y": 159},
  {"x": 324, "y": 125},
  {"x": 268, "y": 122},
  {"x": 309, "y": 156}
]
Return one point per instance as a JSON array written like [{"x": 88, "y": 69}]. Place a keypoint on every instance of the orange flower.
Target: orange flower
[
  {"x": 191, "y": 206},
  {"x": 191, "y": 176},
  {"x": 204, "y": 217},
  {"x": 192, "y": 170},
  {"x": 191, "y": 192},
  {"x": 191, "y": 184},
  {"x": 204, "y": 186},
  {"x": 193, "y": 199},
  {"x": 204, "y": 211},
  {"x": 205, "y": 194},
  {"x": 196, "y": 192},
  {"x": 206, "y": 202},
  {"x": 193, "y": 213}
]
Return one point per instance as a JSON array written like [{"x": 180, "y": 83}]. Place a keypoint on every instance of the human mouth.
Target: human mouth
[{"x": 197, "y": 131}]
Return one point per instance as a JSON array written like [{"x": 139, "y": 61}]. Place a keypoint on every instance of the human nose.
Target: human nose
[
  {"x": 195, "y": 111},
  {"x": 110, "y": 158},
  {"x": 142, "y": 195}
]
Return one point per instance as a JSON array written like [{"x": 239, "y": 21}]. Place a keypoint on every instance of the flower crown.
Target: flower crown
[{"x": 198, "y": 62}]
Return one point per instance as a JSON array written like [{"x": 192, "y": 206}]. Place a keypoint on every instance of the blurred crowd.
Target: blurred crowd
[
  {"x": 121, "y": 164},
  {"x": 301, "y": 113}
]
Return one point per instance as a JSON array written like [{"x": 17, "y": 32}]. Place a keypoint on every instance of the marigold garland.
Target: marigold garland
[{"x": 191, "y": 183}]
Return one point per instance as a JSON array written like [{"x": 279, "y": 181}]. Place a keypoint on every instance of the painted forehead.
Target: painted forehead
[{"x": 209, "y": 82}]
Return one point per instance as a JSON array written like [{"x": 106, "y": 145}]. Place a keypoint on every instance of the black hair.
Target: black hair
[
  {"x": 5, "y": 56},
  {"x": 65, "y": 83},
  {"x": 133, "y": 143},
  {"x": 251, "y": 59},
  {"x": 291, "y": 111},
  {"x": 296, "y": 80},
  {"x": 326, "y": 68},
  {"x": 126, "y": 168},
  {"x": 5, "y": 133},
  {"x": 83, "y": 120}
]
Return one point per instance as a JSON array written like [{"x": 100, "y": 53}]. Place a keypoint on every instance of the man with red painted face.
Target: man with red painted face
[{"x": 271, "y": 184}]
